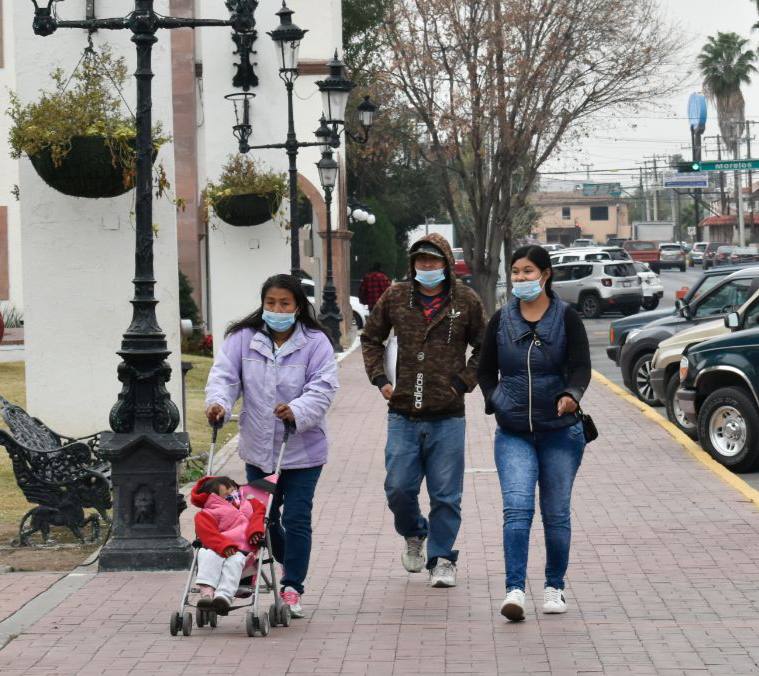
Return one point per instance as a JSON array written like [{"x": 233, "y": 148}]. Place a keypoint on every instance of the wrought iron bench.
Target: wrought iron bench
[{"x": 61, "y": 475}]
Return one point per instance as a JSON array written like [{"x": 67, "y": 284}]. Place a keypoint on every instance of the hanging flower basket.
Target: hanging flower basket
[
  {"x": 90, "y": 169},
  {"x": 249, "y": 209}
]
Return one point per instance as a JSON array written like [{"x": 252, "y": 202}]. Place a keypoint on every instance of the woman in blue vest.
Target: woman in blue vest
[{"x": 534, "y": 368}]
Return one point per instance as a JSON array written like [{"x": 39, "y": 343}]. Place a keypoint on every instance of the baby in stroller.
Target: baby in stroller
[{"x": 230, "y": 528}]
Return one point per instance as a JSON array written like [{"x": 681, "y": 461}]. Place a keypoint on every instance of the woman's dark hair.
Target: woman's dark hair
[
  {"x": 213, "y": 485},
  {"x": 306, "y": 312},
  {"x": 539, "y": 257}
]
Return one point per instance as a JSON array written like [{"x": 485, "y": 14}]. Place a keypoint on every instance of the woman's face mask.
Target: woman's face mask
[
  {"x": 528, "y": 291},
  {"x": 279, "y": 322}
]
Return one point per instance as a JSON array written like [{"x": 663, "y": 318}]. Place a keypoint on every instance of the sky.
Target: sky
[{"x": 625, "y": 142}]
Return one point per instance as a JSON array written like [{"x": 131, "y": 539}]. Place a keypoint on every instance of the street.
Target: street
[{"x": 598, "y": 335}]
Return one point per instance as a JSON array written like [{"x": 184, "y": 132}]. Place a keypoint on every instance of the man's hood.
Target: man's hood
[{"x": 441, "y": 243}]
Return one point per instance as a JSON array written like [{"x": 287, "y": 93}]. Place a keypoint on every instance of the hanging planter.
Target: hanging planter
[
  {"x": 250, "y": 209},
  {"x": 79, "y": 137},
  {"x": 246, "y": 194},
  {"x": 89, "y": 169}
]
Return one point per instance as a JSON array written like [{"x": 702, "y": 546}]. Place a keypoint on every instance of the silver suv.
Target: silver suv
[
  {"x": 599, "y": 286},
  {"x": 590, "y": 253}
]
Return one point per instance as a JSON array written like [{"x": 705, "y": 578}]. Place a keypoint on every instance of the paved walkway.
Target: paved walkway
[{"x": 664, "y": 577}]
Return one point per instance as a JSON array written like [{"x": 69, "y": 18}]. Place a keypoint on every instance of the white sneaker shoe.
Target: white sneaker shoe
[
  {"x": 553, "y": 600},
  {"x": 413, "y": 558},
  {"x": 292, "y": 599},
  {"x": 512, "y": 607},
  {"x": 443, "y": 574}
]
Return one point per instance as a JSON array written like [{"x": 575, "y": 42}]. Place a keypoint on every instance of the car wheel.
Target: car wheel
[
  {"x": 358, "y": 322},
  {"x": 590, "y": 304},
  {"x": 674, "y": 412},
  {"x": 628, "y": 310},
  {"x": 728, "y": 427},
  {"x": 650, "y": 303},
  {"x": 641, "y": 380}
]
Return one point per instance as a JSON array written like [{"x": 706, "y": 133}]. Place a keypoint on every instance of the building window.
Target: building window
[
  {"x": 566, "y": 213},
  {"x": 599, "y": 213}
]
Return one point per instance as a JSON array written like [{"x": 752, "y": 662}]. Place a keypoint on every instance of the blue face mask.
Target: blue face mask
[
  {"x": 429, "y": 279},
  {"x": 527, "y": 291},
  {"x": 279, "y": 321}
]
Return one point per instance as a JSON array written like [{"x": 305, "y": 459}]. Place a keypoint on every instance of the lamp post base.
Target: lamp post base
[
  {"x": 146, "y": 505},
  {"x": 330, "y": 315}
]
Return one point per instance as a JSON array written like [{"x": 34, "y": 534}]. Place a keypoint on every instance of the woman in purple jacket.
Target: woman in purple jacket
[{"x": 282, "y": 363}]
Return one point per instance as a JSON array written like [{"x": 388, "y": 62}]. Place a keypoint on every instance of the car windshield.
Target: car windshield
[
  {"x": 640, "y": 246},
  {"x": 725, "y": 249},
  {"x": 700, "y": 246},
  {"x": 642, "y": 267},
  {"x": 458, "y": 254},
  {"x": 671, "y": 247},
  {"x": 620, "y": 270},
  {"x": 727, "y": 298},
  {"x": 707, "y": 283}
]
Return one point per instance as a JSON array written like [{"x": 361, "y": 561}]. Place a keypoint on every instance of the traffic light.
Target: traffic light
[{"x": 688, "y": 167}]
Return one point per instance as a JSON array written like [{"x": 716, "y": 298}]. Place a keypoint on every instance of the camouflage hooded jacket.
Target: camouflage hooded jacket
[{"x": 432, "y": 371}]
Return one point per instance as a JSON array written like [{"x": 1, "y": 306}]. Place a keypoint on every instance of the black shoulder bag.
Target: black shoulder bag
[{"x": 589, "y": 428}]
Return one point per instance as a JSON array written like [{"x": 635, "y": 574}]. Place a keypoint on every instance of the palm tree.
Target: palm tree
[{"x": 725, "y": 65}]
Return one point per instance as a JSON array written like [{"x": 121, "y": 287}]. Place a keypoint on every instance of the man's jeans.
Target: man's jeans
[
  {"x": 550, "y": 459},
  {"x": 434, "y": 450},
  {"x": 291, "y": 533}
]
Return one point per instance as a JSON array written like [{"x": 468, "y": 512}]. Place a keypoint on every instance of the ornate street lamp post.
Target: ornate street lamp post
[
  {"x": 329, "y": 313},
  {"x": 144, "y": 448},
  {"x": 335, "y": 90}
]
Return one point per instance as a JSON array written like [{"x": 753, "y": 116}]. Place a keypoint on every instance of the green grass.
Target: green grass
[{"x": 13, "y": 505}]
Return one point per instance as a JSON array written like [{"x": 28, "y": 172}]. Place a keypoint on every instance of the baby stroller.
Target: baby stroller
[{"x": 257, "y": 619}]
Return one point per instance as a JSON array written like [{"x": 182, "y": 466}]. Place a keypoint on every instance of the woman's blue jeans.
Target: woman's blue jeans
[
  {"x": 549, "y": 459},
  {"x": 291, "y": 531}
]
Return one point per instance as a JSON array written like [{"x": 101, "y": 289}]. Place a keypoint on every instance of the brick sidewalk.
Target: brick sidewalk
[
  {"x": 663, "y": 580},
  {"x": 17, "y": 589}
]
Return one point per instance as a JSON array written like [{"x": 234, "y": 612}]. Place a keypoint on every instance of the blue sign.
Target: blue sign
[
  {"x": 601, "y": 189},
  {"x": 697, "y": 112}
]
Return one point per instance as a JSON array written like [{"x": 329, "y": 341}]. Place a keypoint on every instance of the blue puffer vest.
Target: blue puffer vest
[{"x": 532, "y": 377}]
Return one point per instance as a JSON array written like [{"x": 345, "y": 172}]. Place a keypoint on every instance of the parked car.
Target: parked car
[
  {"x": 665, "y": 364},
  {"x": 744, "y": 254},
  {"x": 620, "y": 328},
  {"x": 583, "y": 242},
  {"x": 615, "y": 241},
  {"x": 595, "y": 287},
  {"x": 360, "y": 311},
  {"x": 460, "y": 267},
  {"x": 553, "y": 246},
  {"x": 591, "y": 253},
  {"x": 638, "y": 350},
  {"x": 653, "y": 289},
  {"x": 643, "y": 252},
  {"x": 710, "y": 253},
  {"x": 720, "y": 382},
  {"x": 671, "y": 256},
  {"x": 696, "y": 255}
]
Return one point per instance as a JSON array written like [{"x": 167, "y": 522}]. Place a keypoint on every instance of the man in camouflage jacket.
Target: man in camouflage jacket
[{"x": 435, "y": 319}]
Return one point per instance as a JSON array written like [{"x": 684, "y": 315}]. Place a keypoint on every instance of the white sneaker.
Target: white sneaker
[
  {"x": 512, "y": 607},
  {"x": 553, "y": 600},
  {"x": 292, "y": 599},
  {"x": 413, "y": 558},
  {"x": 443, "y": 574}
]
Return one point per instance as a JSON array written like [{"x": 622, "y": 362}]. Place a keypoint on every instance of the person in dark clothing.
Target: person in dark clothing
[
  {"x": 373, "y": 285},
  {"x": 533, "y": 371}
]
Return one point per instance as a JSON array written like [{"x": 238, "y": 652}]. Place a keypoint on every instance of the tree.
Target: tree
[
  {"x": 725, "y": 65},
  {"x": 498, "y": 85},
  {"x": 373, "y": 244},
  {"x": 188, "y": 309}
]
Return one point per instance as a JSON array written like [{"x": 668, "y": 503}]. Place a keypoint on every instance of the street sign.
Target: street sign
[
  {"x": 601, "y": 189},
  {"x": 686, "y": 181},
  {"x": 691, "y": 229},
  {"x": 726, "y": 165}
]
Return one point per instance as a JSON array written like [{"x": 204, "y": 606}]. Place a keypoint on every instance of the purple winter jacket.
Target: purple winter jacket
[{"x": 303, "y": 375}]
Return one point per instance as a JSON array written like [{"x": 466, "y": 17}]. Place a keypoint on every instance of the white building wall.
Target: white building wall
[
  {"x": 242, "y": 258},
  {"x": 78, "y": 254},
  {"x": 9, "y": 166}
]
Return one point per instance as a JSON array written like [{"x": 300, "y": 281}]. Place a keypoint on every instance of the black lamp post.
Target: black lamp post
[
  {"x": 335, "y": 91},
  {"x": 144, "y": 448},
  {"x": 329, "y": 313}
]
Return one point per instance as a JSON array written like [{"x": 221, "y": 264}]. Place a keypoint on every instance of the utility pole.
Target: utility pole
[
  {"x": 656, "y": 191},
  {"x": 750, "y": 173},
  {"x": 643, "y": 200},
  {"x": 739, "y": 190},
  {"x": 722, "y": 197},
  {"x": 587, "y": 170},
  {"x": 644, "y": 189}
]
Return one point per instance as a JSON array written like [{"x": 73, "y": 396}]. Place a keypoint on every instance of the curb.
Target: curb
[{"x": 684, "y": 440}]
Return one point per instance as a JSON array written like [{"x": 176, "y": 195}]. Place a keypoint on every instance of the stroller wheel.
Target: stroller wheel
[
  {"x": 284, "y": 615},
  {"x": 251, "y": 623},
  {"x": 200, "y": 618},
  {"x": 187, "y": 624},
  {"x": 175, "y": 624},
  {"x": 273, "y": 615},
  {"x": 213, "y": 619},
  {"x": 264, "y": 626}
]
